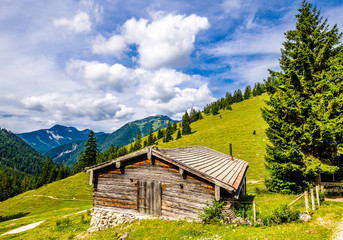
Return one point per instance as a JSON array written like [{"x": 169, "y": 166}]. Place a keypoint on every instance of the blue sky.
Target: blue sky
[{"x": 99, "y": 64}]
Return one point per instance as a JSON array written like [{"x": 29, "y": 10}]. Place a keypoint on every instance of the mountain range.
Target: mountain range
[
  {"x": 66, "y": 143},
  {"x": 45, "y": 139}
]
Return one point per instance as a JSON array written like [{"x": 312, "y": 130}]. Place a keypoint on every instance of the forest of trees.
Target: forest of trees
[{"x": 23, "y": 168}]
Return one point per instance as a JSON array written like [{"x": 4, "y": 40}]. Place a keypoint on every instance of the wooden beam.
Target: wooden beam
[
  {"x": 312, "y": 200},
  {"x": 91, "y": 177},
  {"x": 306, "y": 202},
  {"x": 317, "y": 195},
  {"x": 149, "y": 153},
  {"x": 217, "y": 192},
  {"x": 118, "y": 164},
  {"x": 298, "y": 198}
]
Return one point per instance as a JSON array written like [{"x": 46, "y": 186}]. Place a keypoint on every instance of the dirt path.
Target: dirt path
[
  {"x": 339, "y": 234},
  {"x": 33, "y": 225},
  {"x": 23, "y": 228}
]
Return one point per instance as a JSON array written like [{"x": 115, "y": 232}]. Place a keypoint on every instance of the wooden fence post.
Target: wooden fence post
[
  {"x": 306, "y": 202},
  {"x": 254, "y": 206},
  {"x": 312, "y": 201},
  {"x": 317, "y": 194}
]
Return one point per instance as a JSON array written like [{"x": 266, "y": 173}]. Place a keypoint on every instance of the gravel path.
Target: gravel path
[
  {"x": 33, "y": 225},
  {"x": 23, "y": 228},
  {"x": 339, "y": 234}
]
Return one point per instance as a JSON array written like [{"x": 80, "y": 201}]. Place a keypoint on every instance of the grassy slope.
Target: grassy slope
[
  {"x": 235, "y": 126},
  {"x": 216, "y": 132},
  {"x": 56, "y": 199}
]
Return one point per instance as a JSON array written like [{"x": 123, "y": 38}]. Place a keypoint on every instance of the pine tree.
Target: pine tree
[
  {"x": 138, "y": 143},
  {"x": 159, "y": 134},
  {"x": 48, "y": 165},
  {"x": 167, "y": 136},
  {"x": 89, "y": 155},
  {"x": 150, "y": 138},
  {"x": 302, "y": 136},
  {"x": 247, "y": 92},
  {"x": 186, "y": 128},
  {"x": 178, "y": 136}
]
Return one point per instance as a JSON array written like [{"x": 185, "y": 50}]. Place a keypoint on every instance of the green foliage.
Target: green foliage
[
  {"x": 63, "y": 223},
  {"x": 305, "y": 108},
  {"x": 247, "y": 92},
  {"x": 280, "y": 214},
  {"x": 89, "y": 156},
  {"x": 186, "y": 128},
  {"x": 15, "y": 153},
  {"x": 178, "y": 136},
  {"x": 212, "y": 213}
]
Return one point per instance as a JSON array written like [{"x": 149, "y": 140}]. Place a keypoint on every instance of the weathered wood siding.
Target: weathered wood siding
[{"x": 181, "y": 196}]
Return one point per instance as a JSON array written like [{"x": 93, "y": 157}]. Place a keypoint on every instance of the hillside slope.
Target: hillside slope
[
  {"x": 17, "y": 155},
  {"x": 236, "y": 126},
  {"x": 123, "y": 136}
]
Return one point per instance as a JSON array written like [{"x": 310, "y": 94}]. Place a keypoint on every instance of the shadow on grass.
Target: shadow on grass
[{"x": 13, "y": 216}]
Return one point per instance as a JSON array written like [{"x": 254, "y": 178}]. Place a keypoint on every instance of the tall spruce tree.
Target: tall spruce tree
[
  {"x": 186, "y": 128},
  {"x": 89, "y": 155},
  {"x": 303, "y": 140}
]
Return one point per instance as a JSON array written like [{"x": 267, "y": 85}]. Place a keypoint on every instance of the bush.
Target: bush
[
  {"x": 281, "y": 214},
  {"x": 63, "y": 223},
  {"x": 282, "y": 186},
  {"x": 212, "y": 213}
]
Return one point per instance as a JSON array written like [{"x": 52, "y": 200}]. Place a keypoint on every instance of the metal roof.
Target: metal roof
[{"x": 204, "y": 162}]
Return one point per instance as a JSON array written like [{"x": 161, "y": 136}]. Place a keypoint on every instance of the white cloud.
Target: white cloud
[
  {"x": 93, "y": 106},
  {"x": 100, "y": 75},
  {"x": 79, "y": 23},
  {"x": 161, "y": 91},
  {"x": 165, "y": 42},
  {"x": 113, "y": 46}
]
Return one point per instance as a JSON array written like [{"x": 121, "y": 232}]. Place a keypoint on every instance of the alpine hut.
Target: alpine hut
[{"x": 172, "y": 183}]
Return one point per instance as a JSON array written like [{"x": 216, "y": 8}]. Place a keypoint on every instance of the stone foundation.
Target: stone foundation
[{"x": 102, "y": 219}]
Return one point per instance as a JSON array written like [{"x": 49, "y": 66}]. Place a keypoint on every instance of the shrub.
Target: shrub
[
  {"x": 63, "y": 223},
  {"x": 212, "y": 213},
  {"x": 281, "y": 214}
]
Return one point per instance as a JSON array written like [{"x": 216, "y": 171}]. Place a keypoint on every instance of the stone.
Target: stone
[
  {"x": 92, "y": 229},
  {"x": 125, "y": 235},
  {"x": 305, "y": 217}
]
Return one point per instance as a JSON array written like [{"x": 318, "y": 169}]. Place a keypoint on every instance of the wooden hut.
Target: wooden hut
[{"x": 175, "y": 183}]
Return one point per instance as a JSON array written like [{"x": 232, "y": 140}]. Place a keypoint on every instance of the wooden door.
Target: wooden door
[{"x": 149, "y": 198}]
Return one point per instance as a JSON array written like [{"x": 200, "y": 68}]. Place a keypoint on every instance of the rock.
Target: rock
[
  {"x": 304, "y": 217},
  {"x": 124, "y": 236},
  {"x": 92, "y": 229}
]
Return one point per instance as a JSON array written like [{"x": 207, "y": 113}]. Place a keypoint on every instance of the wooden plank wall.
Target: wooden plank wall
[{"x": 181, "y": 197}]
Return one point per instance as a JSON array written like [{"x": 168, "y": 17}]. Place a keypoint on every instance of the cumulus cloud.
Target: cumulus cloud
[
  {"x": 162, "y": 91},
  {"x": 79, "y": 23},
  {"x": 95, "y": 107},
  {"x": 113, "y": 46},
  {"x": 100, "y": 75},
  {"x": 167, "y": 41}
]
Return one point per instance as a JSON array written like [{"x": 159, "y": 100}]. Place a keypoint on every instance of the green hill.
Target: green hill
[
  {"x": 16, "y": 154},
  {"x": 71, "y": 195},
  {"x": 236, "y": 126}
]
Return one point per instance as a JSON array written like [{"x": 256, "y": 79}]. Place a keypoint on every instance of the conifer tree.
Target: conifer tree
[
  {"x": 186, "y": 128},
  {"x": 48, "y": 166},
  {"x": 150, "y": 138},
  {"x": 138, "y": 143},
  {"x": 304, "y": 141},
  {"x": 167, "y": 136},
  {"x": 178, "y": 136},
  {"x": 89, "y": 155},
  {"x": 247, "y": 92}
]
